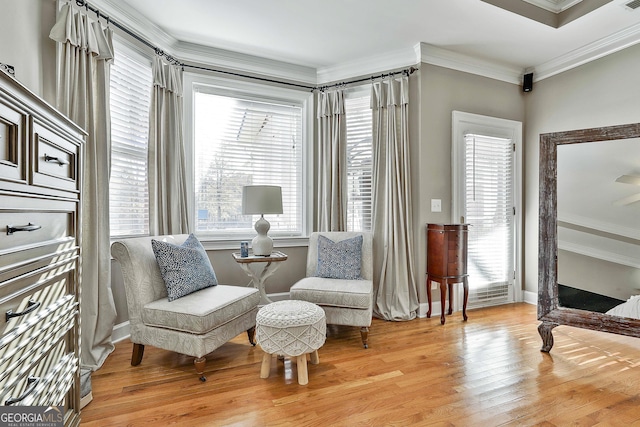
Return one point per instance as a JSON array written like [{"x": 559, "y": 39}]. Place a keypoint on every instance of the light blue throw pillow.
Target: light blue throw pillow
[
  {"x": 185, "y": 268},
  {"x": 339, "y": 260}
]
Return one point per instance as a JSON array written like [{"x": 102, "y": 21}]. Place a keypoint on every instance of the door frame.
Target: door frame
[{"x": 463, "y": 123}]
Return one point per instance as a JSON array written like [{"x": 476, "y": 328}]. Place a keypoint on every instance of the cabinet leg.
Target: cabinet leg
[
  {"x": 443, "y": 297},
  {"x": 465, "y": 284},
  {"x": 429, "y": 297},
  {"x": 450, "y": 286}
]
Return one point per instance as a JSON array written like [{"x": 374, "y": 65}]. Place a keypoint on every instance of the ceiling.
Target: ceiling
[{"x": 331, "y": 34}]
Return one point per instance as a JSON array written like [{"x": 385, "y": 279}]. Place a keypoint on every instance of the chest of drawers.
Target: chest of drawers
[
  {"x": 447, "y": 263},
  {"x": 40, "y": 188}
]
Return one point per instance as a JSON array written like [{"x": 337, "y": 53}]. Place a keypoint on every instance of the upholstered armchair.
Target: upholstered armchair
[
  {"x": 194, "y": 324},
  {"x": 345, "y": 292}
]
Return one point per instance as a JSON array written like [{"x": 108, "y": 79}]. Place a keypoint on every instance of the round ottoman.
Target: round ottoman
[{"x": 290, "y": 328}]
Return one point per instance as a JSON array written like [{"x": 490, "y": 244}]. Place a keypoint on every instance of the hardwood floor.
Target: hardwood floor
[{"x": 488, "y": 371}]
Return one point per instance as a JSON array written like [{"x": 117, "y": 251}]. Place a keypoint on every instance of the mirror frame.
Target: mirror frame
[{"x": 549, "y": 311}]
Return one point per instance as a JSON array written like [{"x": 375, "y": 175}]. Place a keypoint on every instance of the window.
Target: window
[
  {"x": 130, "y": 98},
  {"x": 359, "y": 160},
  {"x": 248, "y": 136}
]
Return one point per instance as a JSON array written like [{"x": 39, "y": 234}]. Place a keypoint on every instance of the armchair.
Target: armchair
[
  {"x": 345, "y": 301},
  {"x": 195, "y": 324}
]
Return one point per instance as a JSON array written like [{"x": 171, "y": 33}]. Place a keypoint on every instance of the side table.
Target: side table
[{"x": 258, "y": 278}]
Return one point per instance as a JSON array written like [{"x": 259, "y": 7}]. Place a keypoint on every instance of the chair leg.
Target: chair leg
[
  {"x": 364, "y": 332},
  {"x": 136, "y": 355},
  {"x": 199, "y": 363},
  {"x": 251, "y": 333}
]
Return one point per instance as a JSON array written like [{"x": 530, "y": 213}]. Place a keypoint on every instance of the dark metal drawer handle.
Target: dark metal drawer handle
[
  {"x": 33, "y": 382},
  {"x": 58, "y": 160},
  {"x": 29, "y": 227},
  {"x": 32, "y": 305}
]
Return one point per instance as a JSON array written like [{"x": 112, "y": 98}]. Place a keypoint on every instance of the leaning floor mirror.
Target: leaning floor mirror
[{"x": 589, "y": 231}]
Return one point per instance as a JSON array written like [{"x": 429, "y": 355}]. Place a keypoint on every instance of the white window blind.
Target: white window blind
[
  {"x": 245, "y": 141},
  {"x": 130, "y": 98},
  {"x": 489, "y": 208},
  {"x": 359, "y": 162}
]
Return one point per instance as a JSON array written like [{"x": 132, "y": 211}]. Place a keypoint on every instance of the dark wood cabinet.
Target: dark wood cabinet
[{"x": 447, "y": 263}]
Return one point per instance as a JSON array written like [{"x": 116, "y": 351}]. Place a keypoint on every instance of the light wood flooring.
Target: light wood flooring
[{"x": 488, "y": 371}]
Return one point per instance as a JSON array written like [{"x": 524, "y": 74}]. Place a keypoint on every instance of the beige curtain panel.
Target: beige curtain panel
[
  {"x": 331, "y": 159},
  {"x": 396, "y": 295},
  {"x": 84, "y": 56},
  {"x": 167, "y": 160}
]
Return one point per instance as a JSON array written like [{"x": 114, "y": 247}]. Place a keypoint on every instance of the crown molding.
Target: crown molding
[
  {"x": 434, "y": 55},
  {"x": 603, "y": 47},
  {"x": 240, "y": 62},
  {"x": 131, "y": 18},
  {"x": 607, "y": 227},
  {"x": 604, "y": 255},
  {"x": 370, "y": 65}
]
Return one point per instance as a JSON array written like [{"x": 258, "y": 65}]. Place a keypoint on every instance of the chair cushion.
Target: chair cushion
[
  {"x": 339, "y": 260},
  {"x": 184, "y": 268},
  {"x": 334, "y": 292},
  {"x": 202, "y": 311}
]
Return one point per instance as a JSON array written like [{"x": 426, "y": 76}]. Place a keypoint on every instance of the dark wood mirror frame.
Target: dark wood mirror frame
[{"x": 549, "y": 311}]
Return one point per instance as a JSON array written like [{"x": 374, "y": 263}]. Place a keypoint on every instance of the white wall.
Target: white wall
[{"x": 600, "y": 93}]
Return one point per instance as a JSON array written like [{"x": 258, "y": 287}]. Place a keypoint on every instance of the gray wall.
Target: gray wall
[
  {"x": 600, "y": 93},
  {"x": 26, "y": 45}
]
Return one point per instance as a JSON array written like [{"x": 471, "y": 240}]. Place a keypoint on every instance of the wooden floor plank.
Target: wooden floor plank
[{"x": 488, "y": 371}]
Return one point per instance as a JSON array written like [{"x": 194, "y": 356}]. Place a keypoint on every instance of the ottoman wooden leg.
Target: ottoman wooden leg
[
  {"x": 315, "y": 359},
  {"x": 303, "y": 375},
  {"x": 266, "y": 365}
]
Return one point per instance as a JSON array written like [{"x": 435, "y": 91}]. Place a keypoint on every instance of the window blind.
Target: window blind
[
  {"x": 243, "y": 141},
  {"x": 130, "y": 98},
  {"x": 489, "y": 208},
  {"x": 359, "y": 162}
]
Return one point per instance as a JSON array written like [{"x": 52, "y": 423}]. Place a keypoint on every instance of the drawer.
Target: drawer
[
  {"x": 45, "y": 226},
  {"x": 13, "y": 144},
  {"x": 45, "y": 383},
  {"x": 28, "y": 296},
  {"x": 55, "y": 160},
  {"x": 47, "y": 336}
]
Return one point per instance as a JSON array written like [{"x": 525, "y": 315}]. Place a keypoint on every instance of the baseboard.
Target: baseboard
[
  {"x": 424, "y": 307},
  {"x": 531, "y": 297},
  {"x": 120, "y": 332}
]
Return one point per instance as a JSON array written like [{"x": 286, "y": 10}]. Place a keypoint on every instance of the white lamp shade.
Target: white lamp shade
[{"x": 261, "y": 199}]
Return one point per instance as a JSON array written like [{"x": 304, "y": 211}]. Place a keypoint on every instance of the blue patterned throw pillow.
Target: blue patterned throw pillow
[
  {"x": 185, "y": 268},
  {"x": 339, "y": 260}
]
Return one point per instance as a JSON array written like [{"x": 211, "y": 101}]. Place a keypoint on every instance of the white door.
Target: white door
[{"x": 485, "y": 197}]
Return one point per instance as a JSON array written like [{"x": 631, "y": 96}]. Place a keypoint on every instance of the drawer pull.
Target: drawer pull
[
  {"x": 33, "y": 382},
  {"x": 58, "y": 160},
  {"x": 32, "y": 305},
  {"x": 29, "y": 227}
]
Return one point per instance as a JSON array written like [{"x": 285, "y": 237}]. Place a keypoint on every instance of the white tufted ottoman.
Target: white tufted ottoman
[{"x": 290, "y": 328}]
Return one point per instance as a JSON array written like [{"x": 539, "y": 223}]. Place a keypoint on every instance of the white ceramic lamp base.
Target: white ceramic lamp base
[{"x": 262, "y": 244}]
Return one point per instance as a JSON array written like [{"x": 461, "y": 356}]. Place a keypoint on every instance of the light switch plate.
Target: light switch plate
[{"x": 436, "y": 205}]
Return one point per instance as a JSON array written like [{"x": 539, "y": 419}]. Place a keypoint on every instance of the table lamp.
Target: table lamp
[{"x": 261, "y": 199}]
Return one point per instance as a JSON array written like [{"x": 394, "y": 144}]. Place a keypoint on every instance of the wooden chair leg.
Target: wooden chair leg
[
  {"x": 364, "y": 332},
  {"x": 251, "y": 333},
  {"x": 136, "y": 355},
  {"x": 266, "y": 365},
  {"x": 315, "y": 359},
  {"x": 303, "y": 374},
  {"x": 199, "y": 363}
]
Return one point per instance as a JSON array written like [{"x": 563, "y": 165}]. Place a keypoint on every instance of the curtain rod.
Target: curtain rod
[{"x": 175, "y": 61}]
